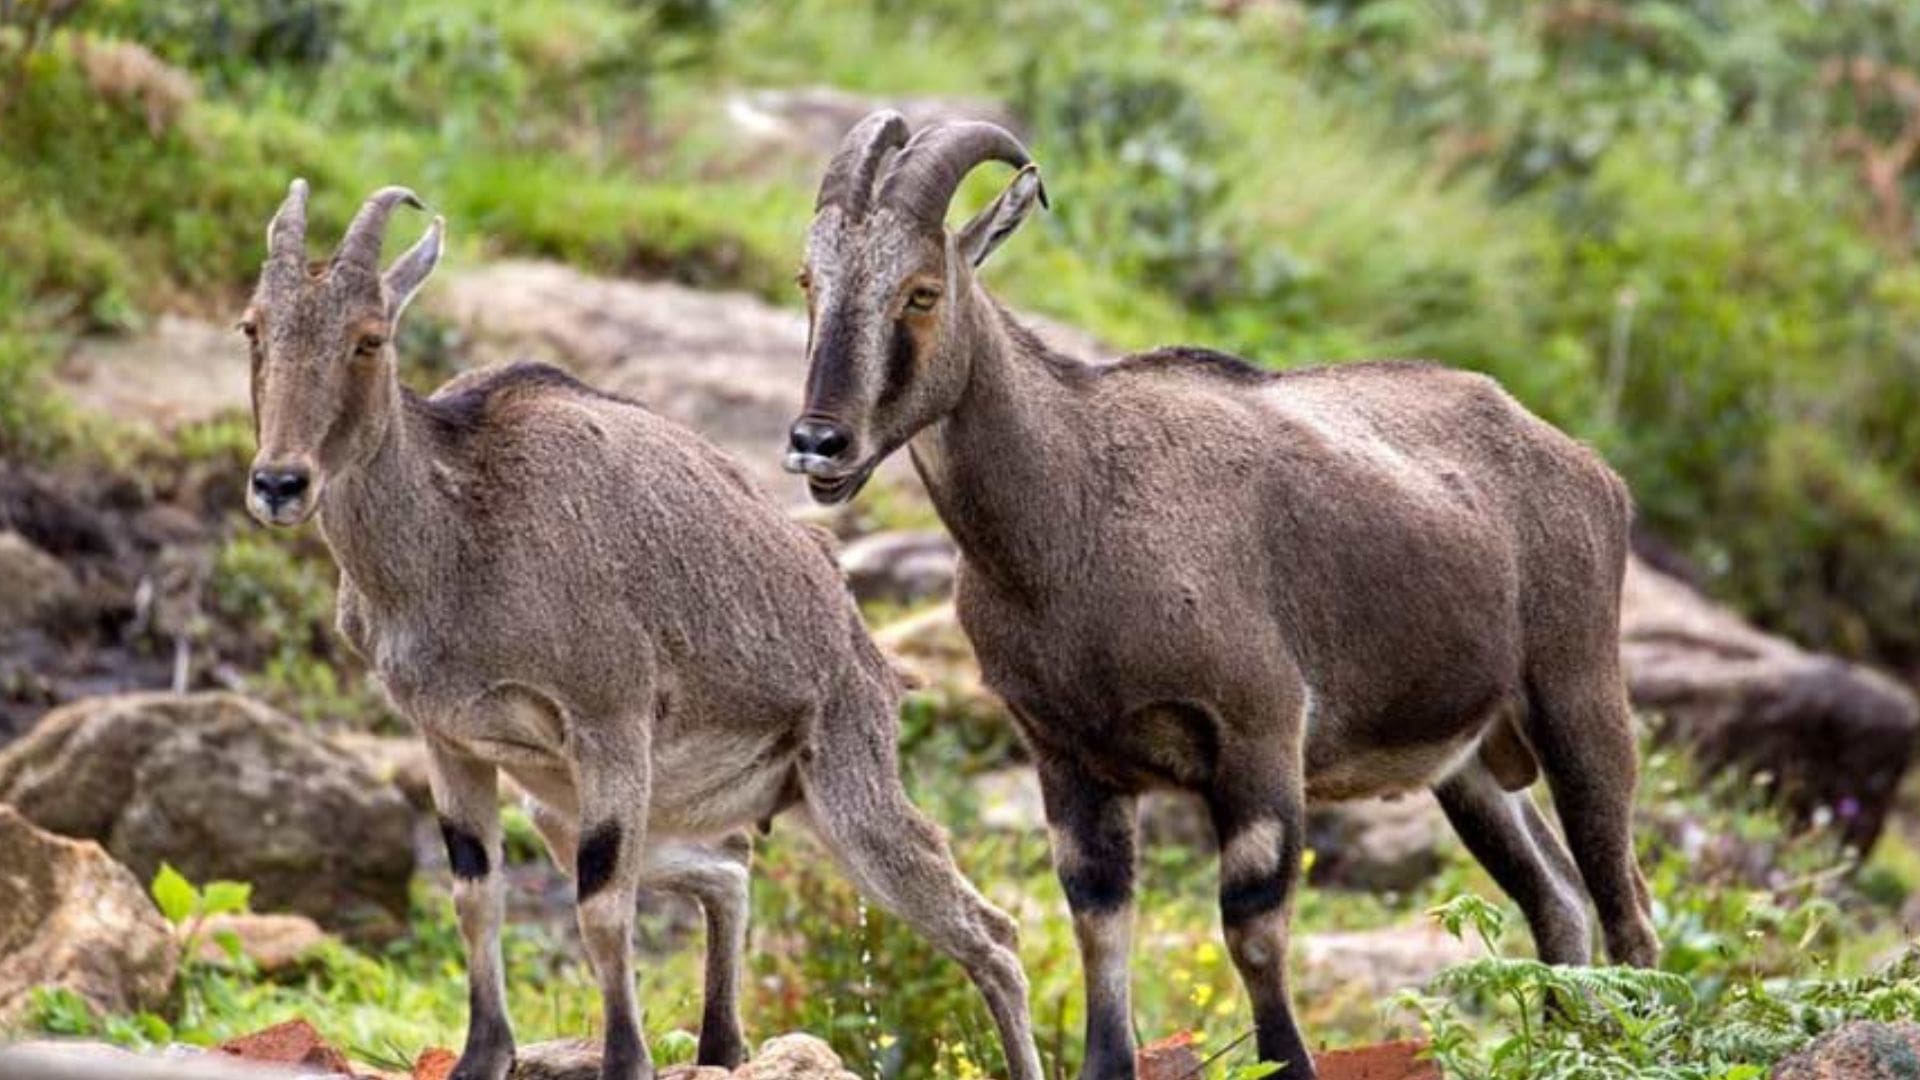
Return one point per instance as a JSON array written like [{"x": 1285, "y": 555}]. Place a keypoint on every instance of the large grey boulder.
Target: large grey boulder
[
  {"x": 1377, "y": 845},
  {"x": 176, "y": 371},
  {"x": 728, "y": 365},
  {"x": 785, "y": 1057},
  {"x": 796, "y": 129},
  {"x": 901, "y": 566},
  {"x": 33, "y": 583},
  {"x": 222, "y": 788},
  {"x": 1833, "y": 737},
  {"x": 73, "y": 918},
  {"x": 1375, "y": 964}
]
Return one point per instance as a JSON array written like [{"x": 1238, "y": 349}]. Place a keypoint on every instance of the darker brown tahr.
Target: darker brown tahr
[
  {"x": 559, "y": 585},
  {"x": 1182, "y": 571}
]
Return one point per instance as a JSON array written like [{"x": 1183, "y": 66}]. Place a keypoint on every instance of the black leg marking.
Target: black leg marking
[
  {"x": 1097, "y": 888},
  {"x": 599, "y": 851},
  {"x": 1096, "y": 838},
  {"x": 464, "y": 851},
  {"x": 1243, "y": 900}
]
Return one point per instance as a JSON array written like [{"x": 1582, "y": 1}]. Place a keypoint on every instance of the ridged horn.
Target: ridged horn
[
  {"x": 287, "y": 232},
  {"x": 848, "y": 183},
  {"x": 360, "y": 247},
  {"x": 925, "y": 174}
]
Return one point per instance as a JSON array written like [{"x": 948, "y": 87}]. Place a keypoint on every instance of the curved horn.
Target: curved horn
[
  {"x": 848, "y": 183},
  {"x": 287, "y": 232},
  {"x": 360, "y": 247},
  {"x": 928, "y": 171}
]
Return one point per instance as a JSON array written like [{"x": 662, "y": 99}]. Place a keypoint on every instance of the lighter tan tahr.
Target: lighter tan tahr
[{"x": 561, "y": 585}]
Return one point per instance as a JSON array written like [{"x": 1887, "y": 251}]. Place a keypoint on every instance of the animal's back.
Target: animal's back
[
  {"x": 632, "y": 518},
  {"x": 1419, "y": 533}
]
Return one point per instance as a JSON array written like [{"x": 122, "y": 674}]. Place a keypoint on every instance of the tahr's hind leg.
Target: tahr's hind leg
[
  {"x": 851, "y": 785},
  {"x": 1582, "y": 729},
  {"x": 716, "y": 874},
  {"x": 1505, "y": 831}
]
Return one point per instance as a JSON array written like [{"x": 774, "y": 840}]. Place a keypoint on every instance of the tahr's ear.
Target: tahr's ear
[
  {"x": 410, "y": 270},
  {"x": 994, "y": 224}
]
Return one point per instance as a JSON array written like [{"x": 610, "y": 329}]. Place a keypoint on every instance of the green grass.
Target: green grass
[
  {"x": 1643, "y": 231},
  {"x": 1783, "y": 955}
]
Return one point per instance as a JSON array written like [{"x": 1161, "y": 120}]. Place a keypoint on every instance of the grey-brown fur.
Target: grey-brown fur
[
  {"x": 561, "y": 585},
  {"x": 1182, "y": 571}
]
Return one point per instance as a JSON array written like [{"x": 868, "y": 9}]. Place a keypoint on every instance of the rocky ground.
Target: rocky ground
[{"x": 125, "y": 687}]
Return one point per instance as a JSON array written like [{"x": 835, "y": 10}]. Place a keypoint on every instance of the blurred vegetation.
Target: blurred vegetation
[{"x": 1682, "y": 230}]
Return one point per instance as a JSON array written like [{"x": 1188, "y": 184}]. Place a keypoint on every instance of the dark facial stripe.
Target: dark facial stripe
[
  {"x": 832, "y": 381},
  {"x": 599, "y": 851},
  {"x": 899, "y": 364},
  {"x": 465, "y": 852}
]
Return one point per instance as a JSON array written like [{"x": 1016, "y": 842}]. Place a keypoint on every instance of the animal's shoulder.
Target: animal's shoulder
[
  {"x": 1183, "y": 361},
  {"x": 467, "y": 402}
]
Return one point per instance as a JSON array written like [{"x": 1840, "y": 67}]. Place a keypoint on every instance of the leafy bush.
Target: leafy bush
[{"x": 1563, "y": 1023}]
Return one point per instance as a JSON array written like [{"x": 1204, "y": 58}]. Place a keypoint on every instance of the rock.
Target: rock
[
  {"x": 32, "y": 582},
  {"x": 798, "y": 129},
  {"x": 273, "y": 942},
  {"x": 1009, "y": 799},
  {"x": 900, "y": 567},
  {"x": 294, "y": 1042},
  {"x": 728, "y": 365},
  {"x": 794, "y": 1057},
  {"x": 98, "y": 1061},
  {"x": 222, "y": 788},
  {"x": 177, "y": 371},
  {"x": 72, "y": 917},
  {"x": 579, "y": 1059},
  {"x": 1861, "y": 1050},
  {"x": 1385, "y": 1061},
  {"x": 931, "y": 650},
  {"x": 1835, "y": 737},
  {"x": 1379, "y": 845},
  {"x": 1171, "y": 1058},
  {"x": 400, "y": 760},
  {"x": 1376, "y": 963},
  {"x": 560, "y": 1059},
  {"x": 434, "y": 1064}
]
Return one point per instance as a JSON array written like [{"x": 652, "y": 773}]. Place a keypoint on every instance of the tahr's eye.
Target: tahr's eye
[
  {"x": 369, "y": 344},
  {"x": 249, "y": 328},
  {"x": 922, "y": 299},
  {"x": 804, "y": 280}
]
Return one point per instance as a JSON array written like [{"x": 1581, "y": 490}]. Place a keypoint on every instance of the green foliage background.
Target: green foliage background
[{"x": 1642, "y": 216}]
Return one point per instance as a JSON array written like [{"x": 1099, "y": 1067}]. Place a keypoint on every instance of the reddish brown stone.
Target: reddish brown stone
[
  {"x": 1387, "y": 1061},
  {"x": 1171, "y": 1058},
  {"x": 435, "y": 1063},
  {"x": 292, "y": 1043}
]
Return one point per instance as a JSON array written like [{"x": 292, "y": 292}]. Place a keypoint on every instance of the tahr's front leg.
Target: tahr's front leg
[
  {"x": 613, "y": 775},
  {"x": 1094, "y": 827},
  {"x": 465, "y": 792}
]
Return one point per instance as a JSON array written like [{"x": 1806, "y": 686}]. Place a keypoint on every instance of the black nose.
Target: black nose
[
  {"x": 818, "y": 438},
  {"x": 279, "y": 485}
]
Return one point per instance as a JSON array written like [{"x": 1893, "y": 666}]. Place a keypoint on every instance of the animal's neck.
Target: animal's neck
[
  {"x": 385, "y": 518},
  {"x": 1009, "y": 469}
]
